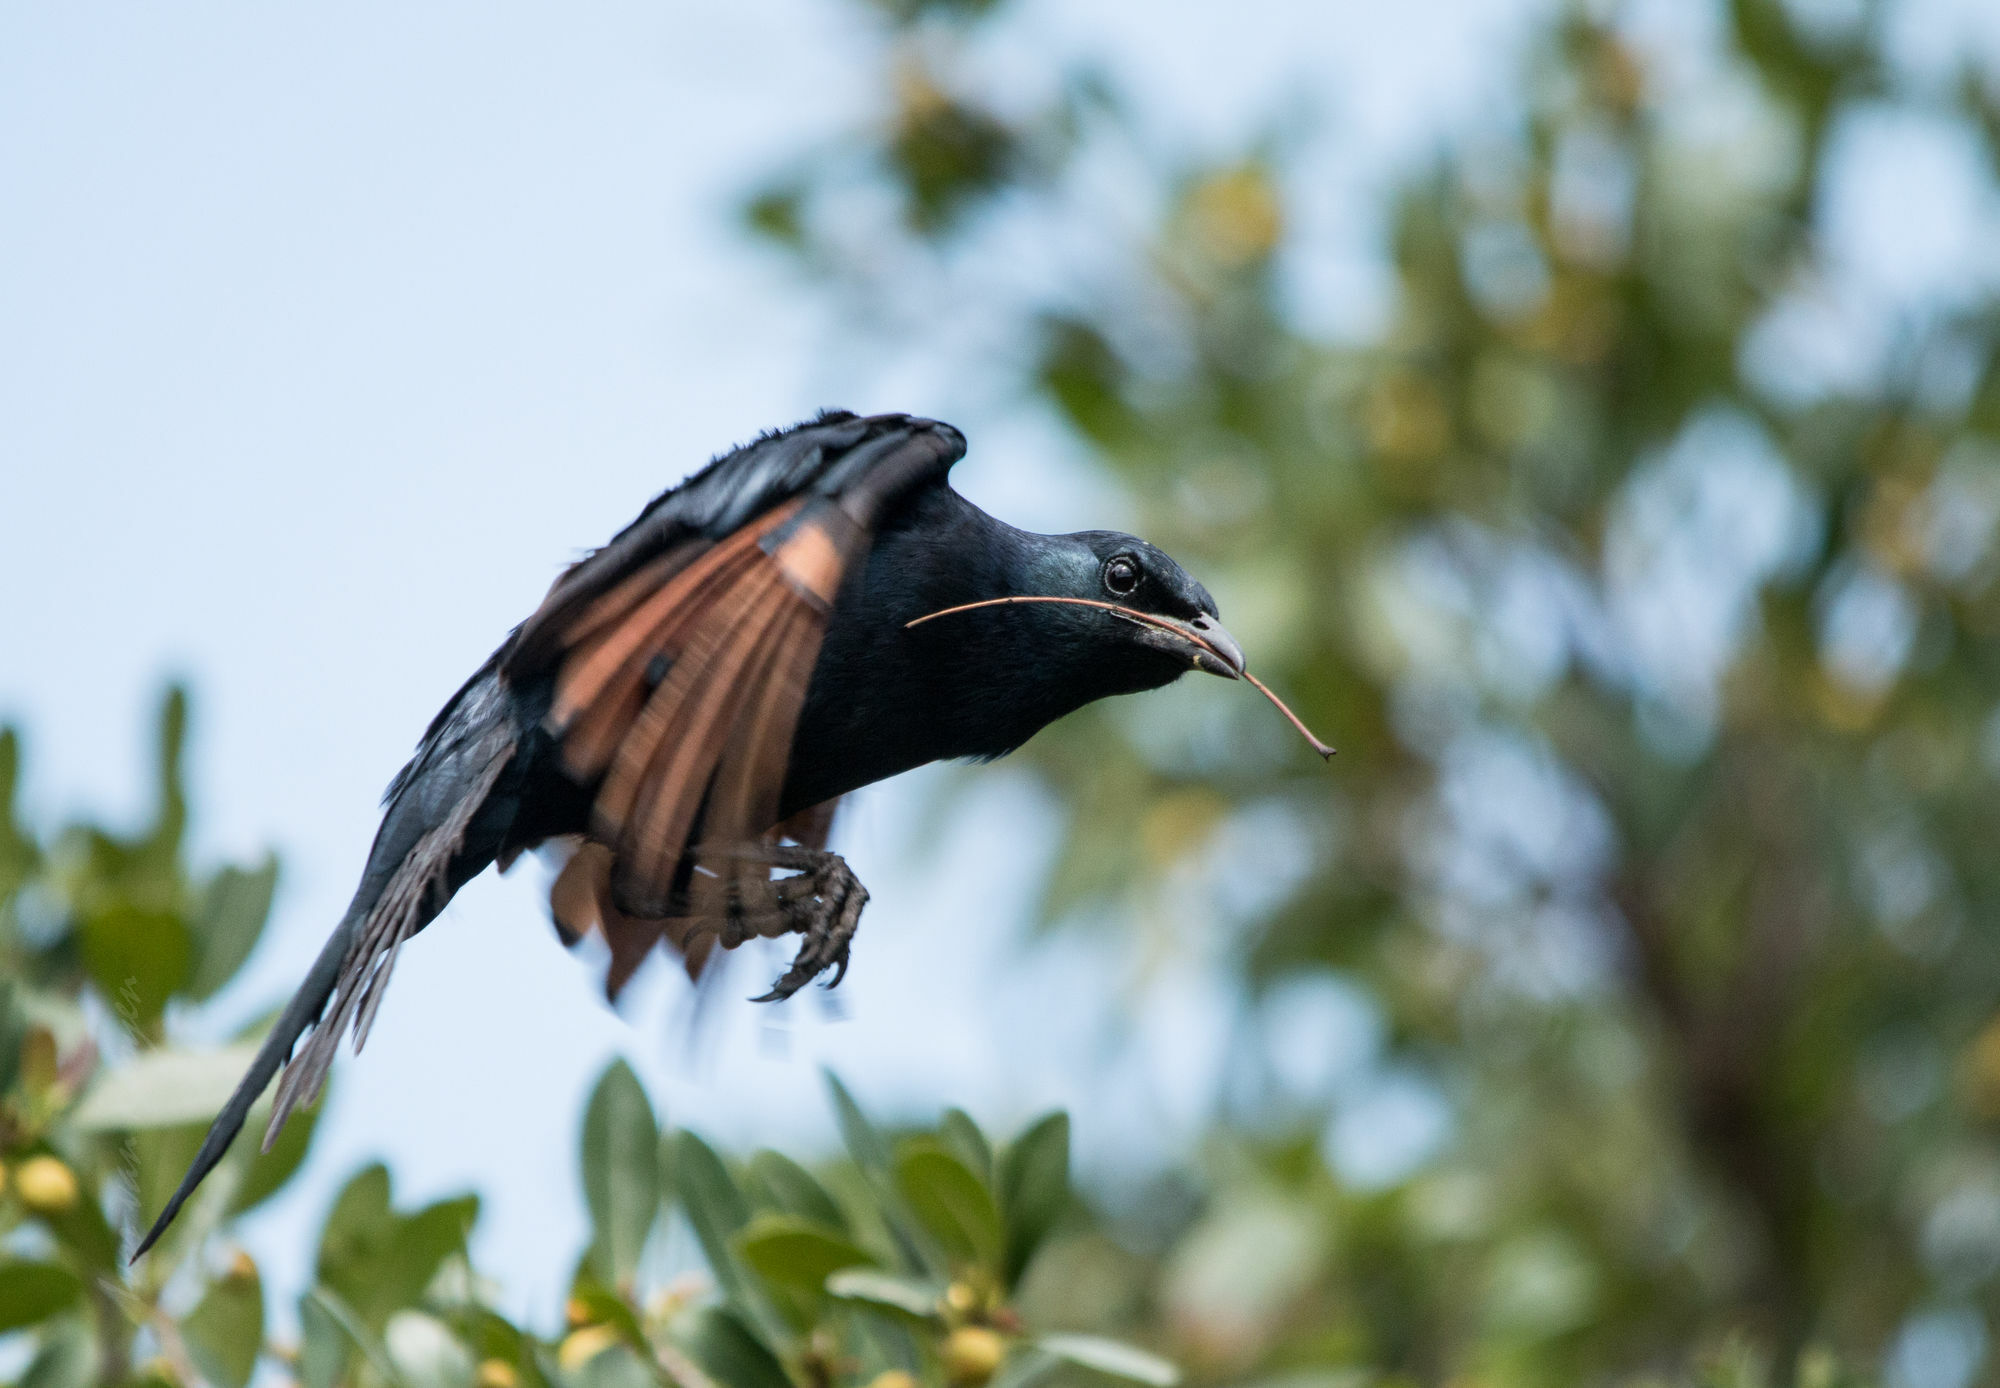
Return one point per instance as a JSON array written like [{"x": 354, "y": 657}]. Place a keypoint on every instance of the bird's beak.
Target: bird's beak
[{"x": 1212, "y": 648}]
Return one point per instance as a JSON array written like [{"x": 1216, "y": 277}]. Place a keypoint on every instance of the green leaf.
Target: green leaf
[
  {"x": 269, "y": 1171},
  {"x": 618, "y": 1366},
  {"x": 19, "y": 854},
  {"x": 170, "y": 813},
  {"x": 867, "y": 1146},
  {"x": 31, "y": 1292},
  {"x": 225, "y": 1332},
  {"x": 490, "y": 1335},
  {"x": 233, "y": 911},
  {"x": 952, "y": 1203},
  {"x": 378, "y": 1261},
  {"x": 1027, "y": 1367},
  {"x": 716, "y": 1209},
  {"x": 163, "y": 1089},
  {"x": 333, "y": 1332},
  {"x": 83, "y": 1230},
  {"x": 903, "y": 1294},
  {"x": 778, "y": 213},
  {"x": 621, "y": 1170},
  {"x": 67, "y": 1359},
  {"x": 871, "y": 1154},
  {"x": 718, "y": 1340},
  {"x": 796, "y": 1190},
  {"x": 427, "y": 1238},
  {"x": 961, "y": 1136},
  {"x": 138, "y": 958},
  {"x": 359, "y": 1222},
  {"x": 1034, "y": 1188},
  {"x": 425, "y": 1352},
  {"x": 607, "y": 1308},
  {"x": 324, "y": 1344},
  {"x": 13, "y": 1025},
  {"x": 1112, "y": 1357},
  {"x": 155, "y": 1159},
  {"x": 548, "y": 1373},
  {"x": 794, "y": 1252}
]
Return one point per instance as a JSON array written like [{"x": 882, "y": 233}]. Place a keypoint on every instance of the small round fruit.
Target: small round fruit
[
  {"x": 46, "y": 1186},
  {"x": 972, "y": 1353}
]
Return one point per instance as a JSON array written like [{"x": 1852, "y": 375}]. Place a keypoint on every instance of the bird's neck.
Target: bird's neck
[{"x": 885, "y": 698}]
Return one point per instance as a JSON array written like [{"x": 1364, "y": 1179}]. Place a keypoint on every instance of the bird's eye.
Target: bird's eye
[{"x": 1121, "y": 575}]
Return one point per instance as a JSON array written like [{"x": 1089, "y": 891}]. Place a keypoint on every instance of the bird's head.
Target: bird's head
[
  {"x": 1096, "y": 613},
  {"x": 1013, "y": 630},
  {"x": 1156, "y": 621}
]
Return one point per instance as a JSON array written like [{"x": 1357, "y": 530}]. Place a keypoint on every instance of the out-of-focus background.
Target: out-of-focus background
[{"x": 1587, "y": 415}]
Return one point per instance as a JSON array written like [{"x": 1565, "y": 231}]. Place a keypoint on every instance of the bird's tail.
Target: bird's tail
[
  {"x": 299, "y": 1013},
  {"x": 442, "y": 826}
]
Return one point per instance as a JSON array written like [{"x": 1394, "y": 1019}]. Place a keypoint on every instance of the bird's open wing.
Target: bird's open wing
[
  {"x": 681, "y": 652},
  {"x": 678, "y": 657}
]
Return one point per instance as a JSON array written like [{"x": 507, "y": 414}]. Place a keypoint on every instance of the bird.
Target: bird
[{"x": 679, "y": 717}]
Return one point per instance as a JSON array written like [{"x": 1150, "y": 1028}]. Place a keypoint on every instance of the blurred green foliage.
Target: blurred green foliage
[
  {"x": 899, "y": 1264},
  {"x": 99, "y": 934},
  {"x": 1645, "y": 571}
]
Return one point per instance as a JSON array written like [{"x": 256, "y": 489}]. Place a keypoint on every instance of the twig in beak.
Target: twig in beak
[
  {"x": 1145, "y": 619},
  {"x": 1325, "y": 750}
]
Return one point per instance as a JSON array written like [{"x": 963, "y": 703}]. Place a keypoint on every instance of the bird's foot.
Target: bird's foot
[
  {"x": 821, "y": 902},
  {"x": 825, "y": 913}
]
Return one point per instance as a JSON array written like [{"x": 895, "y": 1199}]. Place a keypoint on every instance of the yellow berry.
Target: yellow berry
[
  {"x": 497, "y": 1373},
  {"x": 576, "y": 1311},
  {"x": 241, "y": 1268},
  {"x": 892, "y": 1378},
  {"x": 972, "y": 1353},
  {"x": 47, "y": 1186},
  {"x": 960, "y": 1297}
]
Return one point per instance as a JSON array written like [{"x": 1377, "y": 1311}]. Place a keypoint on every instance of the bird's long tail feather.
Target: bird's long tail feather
[
  {"x": 299, "y": 1013},
  {"x": 433, "y": 838}
]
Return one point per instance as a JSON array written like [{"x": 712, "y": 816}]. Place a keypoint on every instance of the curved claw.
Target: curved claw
[
  {"x": 806, "y": 967},
  {"x": 824, "y": 949},
  {"x": 831, "y": 908},
  {"x": 798, "y": 976}
]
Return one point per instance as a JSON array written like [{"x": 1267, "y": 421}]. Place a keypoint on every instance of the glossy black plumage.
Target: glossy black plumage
[{"x": 688, "y": 702}]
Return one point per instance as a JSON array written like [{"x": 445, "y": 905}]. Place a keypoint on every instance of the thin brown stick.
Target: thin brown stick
[
  {"x": 1326, "y": 750},
  {"x": 1145, "y": 619},
  {"x": 1134, "y": 613}
]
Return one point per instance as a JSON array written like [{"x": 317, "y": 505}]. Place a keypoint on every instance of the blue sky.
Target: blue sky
[{"x": 328, "y": 334}]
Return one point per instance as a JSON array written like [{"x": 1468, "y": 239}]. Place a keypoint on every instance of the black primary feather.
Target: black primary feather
[{"x": 840, "y": 531}]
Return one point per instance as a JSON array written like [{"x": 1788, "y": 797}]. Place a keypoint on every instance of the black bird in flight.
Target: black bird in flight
[{"x": 688, "y": 704}]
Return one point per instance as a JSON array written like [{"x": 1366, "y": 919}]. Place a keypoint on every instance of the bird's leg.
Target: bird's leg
[
  {"x": 826, "y": 898},
  {"x": 822, "y": 903}
]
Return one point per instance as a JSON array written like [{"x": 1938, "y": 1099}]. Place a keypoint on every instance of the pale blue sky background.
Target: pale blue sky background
[{"x": 327, "y": 334}]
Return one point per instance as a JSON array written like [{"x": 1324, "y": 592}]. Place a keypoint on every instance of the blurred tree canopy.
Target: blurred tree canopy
[
  {"x": 1645, "y": 571},
  {"x": 1643, "y": 566}
]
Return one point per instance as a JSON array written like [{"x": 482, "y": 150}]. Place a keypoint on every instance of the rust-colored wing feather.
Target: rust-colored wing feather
[
  {"x": 680, "y": 703},
  {"x": 604, "y": 681},
  {"x": 681, "y": 654}
]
